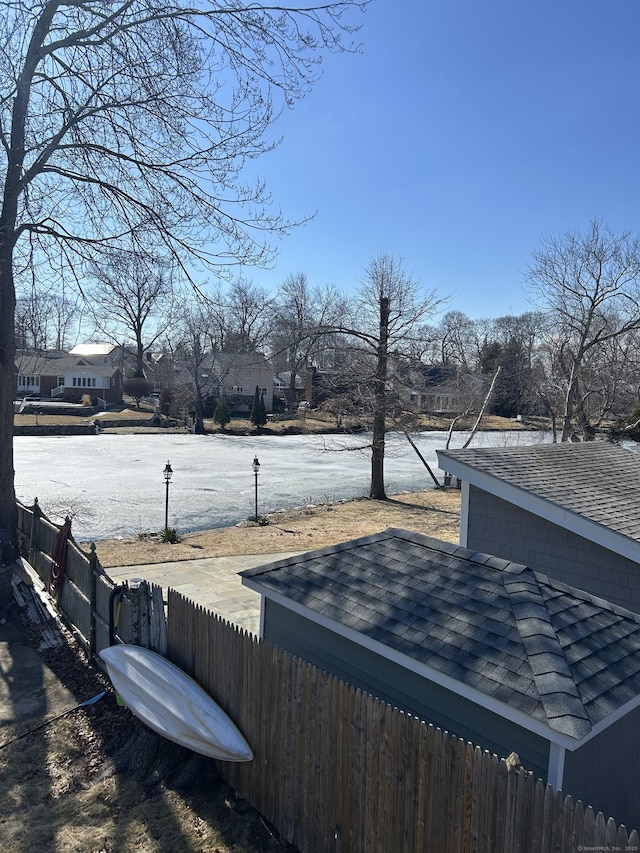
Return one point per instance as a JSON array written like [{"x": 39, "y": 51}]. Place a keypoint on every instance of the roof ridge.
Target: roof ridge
[
  {"x": 590, "y": 598},
  {"x": 552, "y": 674}
]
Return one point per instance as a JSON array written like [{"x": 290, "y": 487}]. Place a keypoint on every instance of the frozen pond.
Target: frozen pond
[{"x": 112, "y": 485}]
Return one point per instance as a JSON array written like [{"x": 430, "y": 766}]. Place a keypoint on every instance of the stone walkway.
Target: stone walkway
[{"x": 213, "y": 582}]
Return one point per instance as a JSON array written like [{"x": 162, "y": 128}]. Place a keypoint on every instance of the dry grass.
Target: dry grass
[
  {"x": 309, "y": 422},
  {"x": 98, "y": 781},
  {"x": 44, "y": 419},
  {"x": 433, "y": 512}
]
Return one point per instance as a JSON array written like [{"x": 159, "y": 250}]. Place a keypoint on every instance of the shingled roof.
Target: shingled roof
[
  {"x": 557, "y": 654},
  {"x": 596, "y": 480}
]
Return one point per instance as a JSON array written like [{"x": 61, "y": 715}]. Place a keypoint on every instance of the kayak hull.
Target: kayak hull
[{"x": 172, "y": 704}]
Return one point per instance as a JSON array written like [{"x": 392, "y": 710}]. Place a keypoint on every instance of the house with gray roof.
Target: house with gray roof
[
  {"x": 68, "y": 377},
  {"x": 486, "y": 648},
  {"x": 235, "y": 376},
  {"x": 571, "y": 511}
]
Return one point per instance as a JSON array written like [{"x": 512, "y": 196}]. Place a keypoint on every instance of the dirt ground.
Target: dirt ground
[
  {"x": 434, "y": 512},
  {"x": 98, "y": 781}
]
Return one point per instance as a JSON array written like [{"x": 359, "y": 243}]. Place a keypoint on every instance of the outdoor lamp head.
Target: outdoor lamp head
[
  {"x": 256, "y": 465},
  {"x": 168, "y": 471}
]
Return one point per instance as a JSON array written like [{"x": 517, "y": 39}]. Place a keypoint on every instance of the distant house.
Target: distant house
[
  {"x": 99, "y": 353},
  {"x": 571, "y": 511},
  {"x": 438, "y": 389},
  {"x": 68, "y": 377},
  {"x": 302, "y": 386},
  {"x": 485, "y": 648},
  {"x": 444, "y": 399},
  {"x": 235, "y": 376}
]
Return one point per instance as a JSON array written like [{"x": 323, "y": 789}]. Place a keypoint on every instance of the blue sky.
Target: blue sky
[{"x": 464, "y": 133}]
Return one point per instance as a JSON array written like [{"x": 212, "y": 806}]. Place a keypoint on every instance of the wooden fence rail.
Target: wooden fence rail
[
  {"x": 88, "y": 599},
  {"x": 338, "y": 770},
  {"x": 335, "y": 769}
]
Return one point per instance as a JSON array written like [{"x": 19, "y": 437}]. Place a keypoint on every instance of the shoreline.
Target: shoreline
[
  {"x": 142, "y": 422},
  {"x": 434, "y": 512}
]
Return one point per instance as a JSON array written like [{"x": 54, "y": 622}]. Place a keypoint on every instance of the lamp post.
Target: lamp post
[
  {"x": 167, "y": 473},
  {"x": 256, "y": 471}
]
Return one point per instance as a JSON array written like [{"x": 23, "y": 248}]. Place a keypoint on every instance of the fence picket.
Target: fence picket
[{"x": 419, "y": 780}]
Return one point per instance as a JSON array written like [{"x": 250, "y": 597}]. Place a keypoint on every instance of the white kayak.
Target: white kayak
[{"x": 173, "y": 704}]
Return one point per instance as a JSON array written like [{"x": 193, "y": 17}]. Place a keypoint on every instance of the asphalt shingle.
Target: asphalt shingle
[
  {"x": 594, "y": 479},
  {"x": 555, "y": 653}
]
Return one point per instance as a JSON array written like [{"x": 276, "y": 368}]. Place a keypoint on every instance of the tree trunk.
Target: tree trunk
[
  {"x": 198, "y": 425},
  {"x": 8, "y": 217},
  {"x": 483, "y": 408},
  {"x": 8, "y": 511},
  {"x": 139, "y": 355},
  {"x": 567, "y": 417},
  {"x": 380, "y": 406},
  {"x": 291, "y": 393}
]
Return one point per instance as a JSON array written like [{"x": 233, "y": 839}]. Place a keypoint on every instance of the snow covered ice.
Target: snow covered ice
[{"x": 112, "y": 485}]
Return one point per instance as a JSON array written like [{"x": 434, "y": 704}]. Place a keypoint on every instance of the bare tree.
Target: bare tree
[
  {"x": 301, "y": 314},
  {"x": 137, "y": 118},
  {"x": 193, "y": 344},
  {"x": 132, "y": 293},
  {"x": 31, "y": 321},
  {"x": 589, "y": 286},
  {"x": 387, "y": 313},
  {"x": 455, "y": 334},
  {"x": 241, "y": 313},
  {"x": 45, "y": 320}
]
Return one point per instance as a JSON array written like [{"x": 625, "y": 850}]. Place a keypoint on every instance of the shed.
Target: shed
[
  {"x": 485, "y": 648},
  {"x": 571, "y": 511}
]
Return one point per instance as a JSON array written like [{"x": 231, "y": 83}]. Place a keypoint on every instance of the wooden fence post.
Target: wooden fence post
[
  {"x": 94, "y": 569},
  {"x": 139, "y": 597},
  {"x": 35, "y": 527}
]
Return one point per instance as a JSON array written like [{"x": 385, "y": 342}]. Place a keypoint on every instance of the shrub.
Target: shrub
[
  {"x": 137, "y": 387},
  {"x": 258, "y": 411},
  {"x": 221, "y": 415},
  {"x": 170, "y": 536}
]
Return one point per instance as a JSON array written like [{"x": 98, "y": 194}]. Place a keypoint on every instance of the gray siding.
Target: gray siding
[
  {"x": 605, "y": 772},
  {"x": 402, "y": 688},
  {"x": 505, "y": 530}
]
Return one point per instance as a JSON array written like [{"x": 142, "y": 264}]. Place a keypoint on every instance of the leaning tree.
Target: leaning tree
[{"x": 135, "y": 119}]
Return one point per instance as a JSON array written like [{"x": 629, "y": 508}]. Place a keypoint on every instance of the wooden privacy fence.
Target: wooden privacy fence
[
  {"x": 91, "y": 604},
  {"x": 338, "y": 770},
  {"x": 334, "y": 769}
]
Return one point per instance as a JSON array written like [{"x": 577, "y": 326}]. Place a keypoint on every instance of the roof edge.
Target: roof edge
[
  {"x": 474, "y": 695},
  {"x": 543, "y": 508}
]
